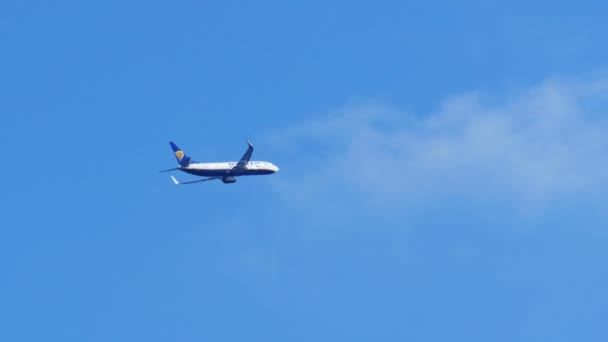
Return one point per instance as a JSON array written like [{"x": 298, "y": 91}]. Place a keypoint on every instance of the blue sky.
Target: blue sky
[{"x": 443, "y": 171}]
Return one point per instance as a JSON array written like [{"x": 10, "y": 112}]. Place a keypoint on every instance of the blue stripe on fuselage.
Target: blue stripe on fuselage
[{"x": 225, "y": 173}]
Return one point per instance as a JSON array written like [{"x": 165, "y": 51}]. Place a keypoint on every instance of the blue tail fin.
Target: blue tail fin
[{"x": 182, "y": 158}]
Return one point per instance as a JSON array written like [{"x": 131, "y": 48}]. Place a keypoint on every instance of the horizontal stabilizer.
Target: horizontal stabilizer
[{"x": 174, "y": 169}]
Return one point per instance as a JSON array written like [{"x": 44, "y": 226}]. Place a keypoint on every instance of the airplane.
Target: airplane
[{"x": 224, "y": 171}]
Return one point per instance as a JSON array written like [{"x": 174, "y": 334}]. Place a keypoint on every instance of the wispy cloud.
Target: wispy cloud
[
  {"x": 535, "y": 147},
  {"x": 403, "y": 197}
]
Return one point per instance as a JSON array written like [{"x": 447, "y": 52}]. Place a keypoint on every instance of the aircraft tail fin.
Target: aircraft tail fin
[{"x": 181, "y": 157}]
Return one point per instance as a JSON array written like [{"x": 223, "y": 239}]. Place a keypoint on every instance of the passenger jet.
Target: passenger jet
[{"x": 225, "y": 171}]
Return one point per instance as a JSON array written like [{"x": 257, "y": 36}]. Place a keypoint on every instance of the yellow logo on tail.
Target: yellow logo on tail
[{"x": 179, "y": 155}]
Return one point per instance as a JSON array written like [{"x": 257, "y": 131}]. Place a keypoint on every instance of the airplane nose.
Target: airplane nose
[{"x": 275, "y": 168}]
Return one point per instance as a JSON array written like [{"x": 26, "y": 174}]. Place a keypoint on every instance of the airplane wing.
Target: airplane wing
[
  {"x": 196, "y": 181},
  {"x": 242, "y": 164}
]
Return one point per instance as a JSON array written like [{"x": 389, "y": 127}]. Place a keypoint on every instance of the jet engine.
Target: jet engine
[{"x": 228, "y": 180}]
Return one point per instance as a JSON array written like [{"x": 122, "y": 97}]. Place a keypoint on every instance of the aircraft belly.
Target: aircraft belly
[
  {"x": 208, "y": 173},
  {"x": 222, "y": 173},
  {"x": 257, "y": 172}
]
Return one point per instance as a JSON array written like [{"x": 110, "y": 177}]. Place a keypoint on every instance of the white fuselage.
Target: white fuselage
[{"x": 226, "y": 169}]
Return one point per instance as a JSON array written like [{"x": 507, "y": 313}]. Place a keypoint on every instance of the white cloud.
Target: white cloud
[{"x": 536, "y": 147}]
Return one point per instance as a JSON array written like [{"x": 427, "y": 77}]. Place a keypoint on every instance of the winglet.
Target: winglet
[
  {"x": 174, "y": 180},
  {"x": 249, "y": 143}
]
